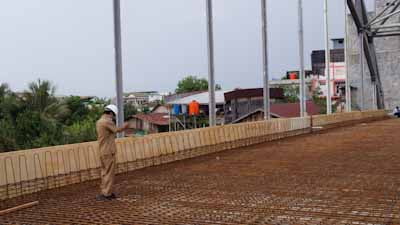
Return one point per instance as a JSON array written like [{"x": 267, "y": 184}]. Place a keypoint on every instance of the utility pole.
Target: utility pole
[
  {"x": 211, "y": 81},
  {"x": 303, "y": 110},
  {"x": 118, "y": 63},
  {"x": 327, "y": 62},
  {"x": 264, "y": 10},
  {"x": 346, "y": 48}
]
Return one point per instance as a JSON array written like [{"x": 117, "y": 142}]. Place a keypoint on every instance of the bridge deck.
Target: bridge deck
[{"x": 344, "y": 176}]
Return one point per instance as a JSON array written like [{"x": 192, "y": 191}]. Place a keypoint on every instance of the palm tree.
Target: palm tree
[
  {"x": 4, "y": 90},
  {"x": 40, "y": 97},
  {"x": 40, "y": 94},
  {"x": 9, "y": 103}
]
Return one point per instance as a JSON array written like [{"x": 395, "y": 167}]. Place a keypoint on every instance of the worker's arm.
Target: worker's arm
[{"x": 111, "y": 126}]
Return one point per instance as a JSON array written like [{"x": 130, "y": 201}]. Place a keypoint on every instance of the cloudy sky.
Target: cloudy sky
[{"x": 70, "y": 42}]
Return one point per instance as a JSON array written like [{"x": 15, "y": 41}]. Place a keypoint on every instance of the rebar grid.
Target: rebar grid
[{"x": 348, "y": 175}]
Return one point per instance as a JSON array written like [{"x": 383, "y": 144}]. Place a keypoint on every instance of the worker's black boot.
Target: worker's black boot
[
  {"x": 112, "y": 196},
  {"x": 102, "y": 198}
]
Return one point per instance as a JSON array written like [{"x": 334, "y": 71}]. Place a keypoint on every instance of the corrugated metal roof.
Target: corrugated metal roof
[
  {"x": 288, "y": 110},
  {"x": 154, "y": 118},
  {"x": 174, "y": 97},
  {"x": 285, "y": 110},
  {"x": 276, "y": 93},
  {"x": 201, "y": 98}
]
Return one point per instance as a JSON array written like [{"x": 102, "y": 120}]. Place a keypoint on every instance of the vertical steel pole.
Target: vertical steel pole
[
  {"x": 327, "y": 61},
  {"x": 346, "y": 48},
  {"x": 361, "y": 37},
  {"x": 264, "y": 13},
  {"x": 303, "y": 109},
  {"x": 169, "y": 119},
  {"x": 211, "y": 82},
  {"x": 118, "y": 63}
]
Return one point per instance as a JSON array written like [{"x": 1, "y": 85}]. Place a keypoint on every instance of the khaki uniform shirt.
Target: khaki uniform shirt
[{"x": 106, "y": 131}]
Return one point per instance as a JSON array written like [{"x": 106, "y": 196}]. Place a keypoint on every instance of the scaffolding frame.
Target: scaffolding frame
[{"x": 368, "y": 30}]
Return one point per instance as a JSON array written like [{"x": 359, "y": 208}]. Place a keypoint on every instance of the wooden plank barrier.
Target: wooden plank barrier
[{"x": 30, "y": 171}]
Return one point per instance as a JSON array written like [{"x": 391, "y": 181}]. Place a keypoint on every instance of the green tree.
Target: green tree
[
  {"x": 40, "y": 97},
  {"x": 129, "y": 110},
  {"x": 291, "y": 94},
  {"x": 193, "y": 83},
  {"x": 38, "y": 119},
  {"x": 145, "y": 110},
  {"x": 35, "y": 119},
  {"x": 319, "y": 101},
  {"x": 78, "y": 108},
  {"x": 7, "y": 135},
  {"x": 81, "y": 131},
  {"x": 9, "y": 108},
  {"x": 32, "y": 131},
  {"x": 4, "y": 90},
  {"x": 9, "y": 103}
]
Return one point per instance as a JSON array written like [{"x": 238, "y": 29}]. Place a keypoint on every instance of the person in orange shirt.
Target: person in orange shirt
[{"x": 106, "y": 131}]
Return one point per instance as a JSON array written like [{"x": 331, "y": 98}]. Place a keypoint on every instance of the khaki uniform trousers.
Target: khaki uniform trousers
[{"x": 107, "y": 174}]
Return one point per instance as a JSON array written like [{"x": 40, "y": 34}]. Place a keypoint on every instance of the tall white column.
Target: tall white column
[
  {"x": 303, "y": 109},
  {"x": 211, "y": 81},
  {"x": 327, "y": 61},
  {"x": 264, "y": 10},
  {"x": 118, "y": 63}
]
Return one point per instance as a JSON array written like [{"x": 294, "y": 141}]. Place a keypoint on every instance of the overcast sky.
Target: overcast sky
[{"x": 70, "y": 42}]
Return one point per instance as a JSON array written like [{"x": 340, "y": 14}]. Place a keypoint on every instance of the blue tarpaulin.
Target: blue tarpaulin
[{"x": 176, "y": 110}]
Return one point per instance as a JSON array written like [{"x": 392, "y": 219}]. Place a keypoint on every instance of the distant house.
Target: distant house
[
  {"x": 295, "y": 83},
  {"x": 144, "y": 98},
  {"x": 289, "y": 110},
  {"x": 150, "y": 123},
  {"x": 244, "y": 101},
  {"x": 203, "y": 99},
  {"x": 337, "y": 68},
  {"x": 174, "y": 97},
  {"x": 160, "y": 109},
  {"x": 279, "y": 110}
]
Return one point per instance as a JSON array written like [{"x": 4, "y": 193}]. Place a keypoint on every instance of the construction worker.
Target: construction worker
[{"x": 106, "y": 131}]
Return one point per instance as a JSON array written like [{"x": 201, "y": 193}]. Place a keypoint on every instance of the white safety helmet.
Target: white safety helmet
[{"x": 112, "y": 108}]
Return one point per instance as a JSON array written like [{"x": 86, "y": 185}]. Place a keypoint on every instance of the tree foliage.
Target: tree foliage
[
  {"x": 193, "y": 83},
  {"x": 37, "y": 118},
  {"x": 291, "y": 94},
  {"x": 318, "y": 100},
  {"x": 129, "y": 110}
]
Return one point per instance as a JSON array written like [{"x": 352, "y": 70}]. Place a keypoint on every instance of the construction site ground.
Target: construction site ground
[{"x": 348, "y": 175}]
